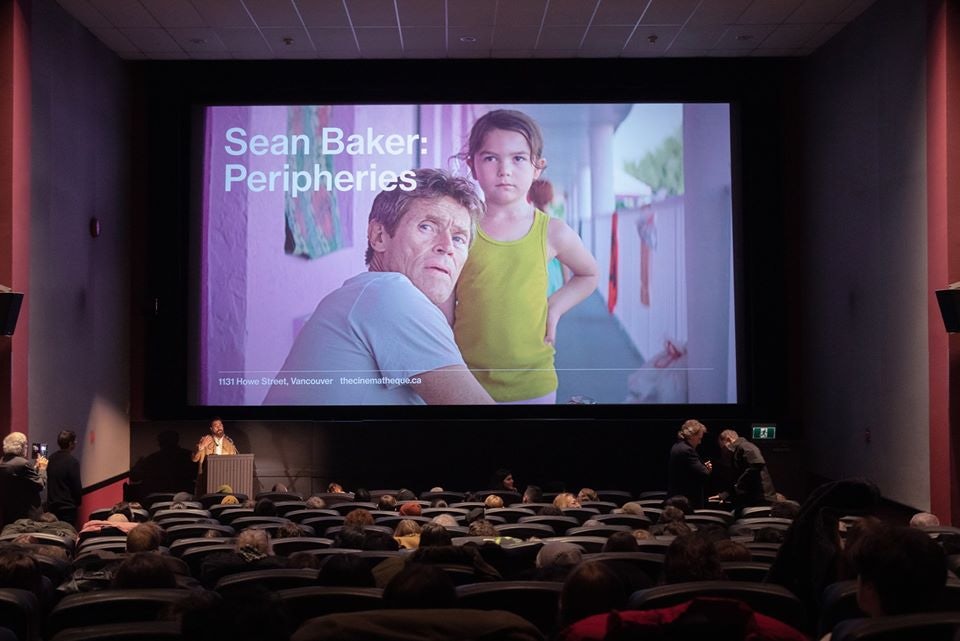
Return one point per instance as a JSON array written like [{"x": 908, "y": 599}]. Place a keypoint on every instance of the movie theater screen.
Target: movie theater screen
[{"x": 286, "y": 196}]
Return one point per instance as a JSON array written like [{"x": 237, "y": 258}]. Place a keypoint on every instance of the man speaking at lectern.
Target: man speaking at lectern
[{"x": 216, "y": 442}]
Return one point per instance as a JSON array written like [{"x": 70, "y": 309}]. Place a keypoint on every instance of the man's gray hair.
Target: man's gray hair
[
  {"x": 15, "y": 443},
  {"x": 690, "y": 429},
  {"x": 728, "y": 434},
  {"x": 432, "y": 184}
]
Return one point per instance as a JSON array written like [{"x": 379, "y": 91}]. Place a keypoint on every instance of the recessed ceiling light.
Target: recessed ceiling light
[
  {"x": 743, "y": 37},
  {"x": 652, "y": 38},
  {"x": 467, "y": 39},
  {"x": 197, "y": 41},
  {"x": 288, "y": 41}
]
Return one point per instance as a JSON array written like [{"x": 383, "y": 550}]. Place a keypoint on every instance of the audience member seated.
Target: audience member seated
[
  {"x": 420, "y": 585},
  {"x": 434, "y": 534},
  {"x": 374, "y": 540},
  {"x": 691, "y": 558},
  {"x": 533, "y": 494},
  {"x": 621, "y": 542},
  {"x": 642, "y": 535},
  {"x": 358, "y": 518},
  {"x": 387, "y": 503},
  {"x": 249, "y": 615},
  {"x": 350, "y": 538},
  {"x": 410, "y": 508},
  {"x": 335, "y": 488},
  {"x": 502, "y": 479},
  {"x": 728, "y": 550},
  {"x": 315, "y": 503},
  {"x": 785, "y": 509},
  {"x": 492, "y": 502},
  {"x": 808, "y": 559},
  {"x": 120, "y": 519},
  {"x": 918, "y": 520},
  {"x": 36, "y": 545},
  {"x": 143, "y": 570},
  {"x": 46, "y": 523},
  {"x": 406, "y": 495},
  {"x": 361, "y": 495},
  {"x": 252, "y": 552},
  {"x": 265, "y": 507},
  {"x": 288, "y": 531},
  {"x": 768, "y": 535},
  {"x": 565, "y": 500},
  {"x": 230, "y": 499},
  {"x": 19, "y": 570},
  {"x": 144, "y": 537},
  {"x": 551, "y": 510},
  {"x": 592, "y": 588},
  {"x": 700, "y": 619},
  {"x": 680, "y": 502},
  {"x": 630, "y": 507},
  {"x": 407, "y": 534},
  {"x": 587, "y": 494},
  {"x": 483, "y": 527},
  {"x": 556, "y": 559},
  {"x": 346, "y": 570},
  {"x": 900, "y": 570},
  {"x": 446, "y": 520}
]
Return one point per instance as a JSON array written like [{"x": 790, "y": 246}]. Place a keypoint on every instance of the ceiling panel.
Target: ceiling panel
[
  {"x": 198, "y": 40},
  {"x": 422, "y": 13},
  {"x": 244, "y": 42},
  {"x": 152, "y": 40},
  {"x": 372, "y": 13},
  {"x": 114, "y": 39},
  {"x": 416, "y": 38},
  {"x": 569, "y": 12},
  {"x": 768, "y": 11},
  {"x": 224, "y": 14},
  {"x": 174, "y": 14},
  {"x": 816, "y": 11},
  {"x": 620, "y": 12},
  {"x": 378, "y": 42},
  {"x": 790, "y": 36},
  {"x": 323, "y": 13},
  {"x": 242, "y": 29},
  {"x": 520, "y": 11},
  {"x": 670, "y": 11},
  {"x": 567, "y": 38},
  {"x": 330, "y": 40},
  {"x": 273, "y": 13},
  {"x": 463, "y": 13},
  {"x": 86, "y": 13},
  {"x": 515, "y": 37},
  {"x": 130, "y": 14},
  {"x": 640, "y": 42}
]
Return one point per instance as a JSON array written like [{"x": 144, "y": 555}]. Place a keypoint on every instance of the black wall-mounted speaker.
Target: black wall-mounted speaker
[{"x": 9, "y": 312}]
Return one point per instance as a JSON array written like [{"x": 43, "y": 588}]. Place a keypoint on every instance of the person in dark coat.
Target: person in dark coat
[
  {"x": 687, "y": 474},
  {"x": 21, "y": 480},
  {"x": 752, "y": 484},
  {"x": 63, "y": 479}
]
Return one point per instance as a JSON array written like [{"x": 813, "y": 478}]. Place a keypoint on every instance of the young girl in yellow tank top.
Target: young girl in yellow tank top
[{"x": 504, "y": 323}]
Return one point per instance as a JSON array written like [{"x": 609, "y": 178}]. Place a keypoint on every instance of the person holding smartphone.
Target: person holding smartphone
[{"x": 21, "y": 480}]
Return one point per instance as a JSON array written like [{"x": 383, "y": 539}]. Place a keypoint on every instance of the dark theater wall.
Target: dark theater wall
[
  {"x": 79, "y": 285},
  {"x": 864, "y": 238}
]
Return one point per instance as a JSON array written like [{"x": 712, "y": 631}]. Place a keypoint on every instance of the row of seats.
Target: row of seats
[{"x": 535, "y": 601}]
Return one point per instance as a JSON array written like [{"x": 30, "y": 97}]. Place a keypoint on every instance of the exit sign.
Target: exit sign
[{"x": 765, "y": 431}]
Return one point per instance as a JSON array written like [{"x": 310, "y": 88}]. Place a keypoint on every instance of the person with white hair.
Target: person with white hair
[{"x": 21, "y": 480}]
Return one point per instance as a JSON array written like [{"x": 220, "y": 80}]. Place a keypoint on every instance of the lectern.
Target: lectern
[{"x": 235, "y": 471}]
